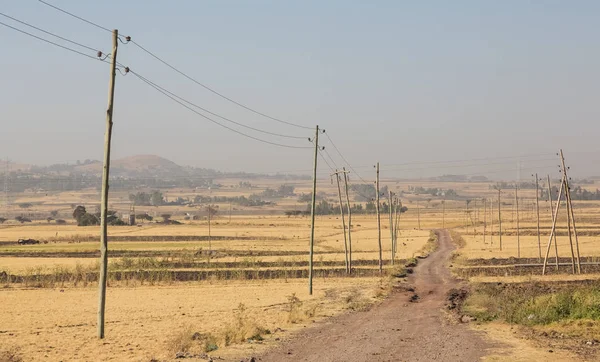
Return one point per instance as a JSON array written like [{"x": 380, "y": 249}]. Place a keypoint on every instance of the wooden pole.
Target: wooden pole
[
  {"x": 397, "y": 219},
  {"x": 570, "y": 210},
  {"x": 444, "y": 214},
  {"x": 553, "y": 230},
  {"x": 378, "y": 219},
  {"x": 391, "y": 226},
  {"x": 518, "y": 229},
  {"x": 491, "y": 222},
  {"x": 569, "y": 228},
  {"x": 312, "y": 215},
  {"x": 349, "y": 222},
  {"x": 484, "y": 219},
  {"x": 104, "y": 196},
  {"x": 552, "y": 215},
  {"x": 500, "y": 218},
  {"x": 418, "y": 216},
  {"x": 337, "y": 178},
  {"x": 537, "y": 207}
]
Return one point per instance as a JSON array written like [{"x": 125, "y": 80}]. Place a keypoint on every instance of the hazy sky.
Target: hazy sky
[{"x": 394, "y": 81}]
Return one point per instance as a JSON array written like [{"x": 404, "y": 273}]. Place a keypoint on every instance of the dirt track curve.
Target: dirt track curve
[{"x": 395, "y": 330}]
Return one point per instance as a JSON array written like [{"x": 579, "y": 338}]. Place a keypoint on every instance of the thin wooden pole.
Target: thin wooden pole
[
  {"x": 537, "y": 207},
  {"x": 553, "y": 230},
  {"x": 312, "y": 215},
  {"x": 349, "y": 222},
  {"x": 518, "y": 229},
  {"x": 500, "y": 218},
  {"x": 492, "y": 222},
  {"x": 337, "y": 178},
  {"x": 570, "y": 210},
  {"x": 378, "y": 220},
  {"x": 444, "y": 214},
  {"x": 397, "y": 220},
  {"x": 418, "y": 215},
  {"x": 104, "y": 197},
  {"x": 484, "y": 219},
  {"x": 552, "y": 215},
  {"x": 391, "y": 226},
  {"x": 569, "y": 228}
]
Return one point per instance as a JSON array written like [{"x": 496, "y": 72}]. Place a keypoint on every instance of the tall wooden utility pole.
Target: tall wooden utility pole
[
  {"x": 484, "y": 219},
  {"x": 349, "y": 221},
  {"x": 391, "y": 226},
  {"x": 552, "y": 215},
  {"x": 337, "y": 178},
  {"x": 499, "y": 217},
  {"x": 396, "y": 218},
  {"x": 537, "y": 208},
  {"x": 418, "y": 215},
  {"x": 443, "y": 213},
  {"x": 491, "y": 222},
  {"x": 378, "y": 219},
  {"x": 208, "y": 209},
  {"x": 571, "y": 215},
  {"x": 518, "y": 229},
  {"x": 312, "y": 215},
  {"x": 553, "y": 230},
  {"x": 104, "y": 196}
]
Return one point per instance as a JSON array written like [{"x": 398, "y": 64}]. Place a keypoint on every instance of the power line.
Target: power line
[
  {"x": 181, "y": 72},
  {"x": 325, "y": 160},
  {"x": 344, "y": 158},
  {"x": 52, "y": 43},
  {"x": 212, "y": 120},
  {"x": 77, "y": 17},
  {"x": 330, "y": 158},
  {"x": 215, "y": 114},
  {"x": 49, "y": 33}
]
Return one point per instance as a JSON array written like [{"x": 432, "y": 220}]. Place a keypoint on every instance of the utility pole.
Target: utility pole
[
  {"x": 337, "y": 178},
  {"x": 484, "y": 219},
  {"x": 553, "y": 231},
  {"x": 499, "y": 216},
  {"x": 552, "y": 215},
  {"x": 349, "y": 221},
  {"x": 208, "y": 208},
  {"x": 418, "y": 215},
  {"x": 443, "y": 213},
  {"x": 570, "y": 210},
  {"x": 391, "y": 226},
  {"x": 537, "y": 208},
  {"x": 491, "y": 222},
  {"x": 312, "y": 214},
  {"x": 378, "y": 219},
  {"x": 104, "y": 196},
  {"x": 395, "y": 243},
  {"x": 518, "y": 229}
]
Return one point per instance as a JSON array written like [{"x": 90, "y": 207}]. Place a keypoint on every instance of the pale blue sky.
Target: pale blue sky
[{"x": 393, "y": 81}]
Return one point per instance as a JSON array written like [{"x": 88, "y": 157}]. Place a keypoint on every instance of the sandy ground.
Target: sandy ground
[{"x": 60, "y": 325}]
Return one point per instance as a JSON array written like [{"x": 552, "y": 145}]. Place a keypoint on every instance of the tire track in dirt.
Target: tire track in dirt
[{"x": 396, "y": 329}]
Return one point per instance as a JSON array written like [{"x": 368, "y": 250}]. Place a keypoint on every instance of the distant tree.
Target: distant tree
[
  {"x": 79, "y": 212},
  {"x": 166, "y": 217},
  {"x": 60, "y": 222},
  {"x": 22, "y": 219},
  {"x": 157, "y": 198},
  {"x": 54, "y": 213},
  {"x": 49, "y": 219},
  {"x": 2, "y": 220},
  {"x": 25, "y": 205},
  {"x": 212, "y": 210}
]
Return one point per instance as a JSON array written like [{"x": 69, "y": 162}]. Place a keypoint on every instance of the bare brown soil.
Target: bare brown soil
[{"x": 408, "y": 326}]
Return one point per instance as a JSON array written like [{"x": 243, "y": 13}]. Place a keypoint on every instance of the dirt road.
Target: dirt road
[{"x": 395, "y": 330}]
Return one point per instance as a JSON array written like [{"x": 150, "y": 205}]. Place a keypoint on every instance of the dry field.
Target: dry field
[{"x": 168, "y": 282}]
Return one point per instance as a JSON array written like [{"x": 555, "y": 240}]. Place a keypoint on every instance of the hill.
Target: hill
[{"x": 137, "y": 166}]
